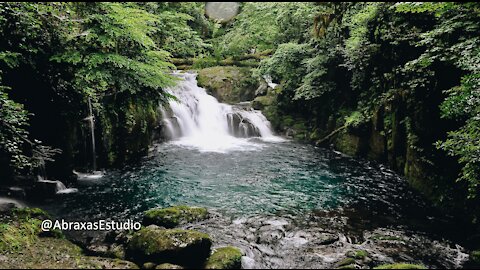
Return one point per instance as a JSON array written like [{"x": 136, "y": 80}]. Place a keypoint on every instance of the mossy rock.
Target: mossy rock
[
  {"x": 229, "y": 84},
  {"x": 149, "y": 265},
  {"x": 52, "y": 253},
  {"x": 475, "y": 256},
  {"x": 225, "y": 258},
  {"x": 168, "y": 266},
  {"x": 174, "y": 216},
  {"x": 400, "y": 266},
  {"x": 346, "y": 261},
  {"x": 20, "y": 242},
  {"x": 153, "y": 244},
  {"x": 357, "y": 254},
  {"x": 349, "y": 144},
  {"x": 20, "y": 228},
  {"x": 260, "y": 102},
  {"x": 30, "y": 213},
  {"x": 350, "y": 266},
  {"x": 106, "y": 263}
]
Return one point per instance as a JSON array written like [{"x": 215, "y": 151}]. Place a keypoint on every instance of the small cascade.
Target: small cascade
[
  {"x": 54, "y": 186},
  {"x": 91, "y": 120},
  {"x": 94, "y": 174},
  {"x": 89, "y": 176},
  {"x": 269, "y": 81},
  {"x": 42, "y": 171},
  {"x": 60, "y": 186},
  {"x": 198, "y": 119}
]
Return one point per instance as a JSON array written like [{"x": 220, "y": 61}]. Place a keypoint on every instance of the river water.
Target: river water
[{"x": 281, "y": 202}]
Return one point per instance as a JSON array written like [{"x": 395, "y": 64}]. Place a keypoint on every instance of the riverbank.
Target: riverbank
[
  {"x": 322, "y": 239},
  {"x": 23, "y": 244}
]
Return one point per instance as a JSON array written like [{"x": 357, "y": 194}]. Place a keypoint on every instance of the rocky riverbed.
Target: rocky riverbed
[{"x": 192, "y": 237}]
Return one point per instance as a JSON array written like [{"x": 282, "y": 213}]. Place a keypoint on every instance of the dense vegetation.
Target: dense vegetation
[
  {"x": 414, "y": 65},
  {"x": 114, "y": 55},
  {"x": 409, "y": 69}
]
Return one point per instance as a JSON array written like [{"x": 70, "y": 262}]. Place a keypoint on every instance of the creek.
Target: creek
[{"x": 284, "y": 203}]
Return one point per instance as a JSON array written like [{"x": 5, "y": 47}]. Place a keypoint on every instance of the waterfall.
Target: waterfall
[
  {"x": 42, "y": 171},
  {"x": 199, "y": 120},
  {"x": 55, "y": 186},
  {"x": 91, "y": 120}
]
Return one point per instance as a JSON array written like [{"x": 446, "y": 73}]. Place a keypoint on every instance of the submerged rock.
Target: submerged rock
[
  {"x": 153, "y": 244},
  {"x": 174, "y": 216},
  {"x": 225, "y": 258}
]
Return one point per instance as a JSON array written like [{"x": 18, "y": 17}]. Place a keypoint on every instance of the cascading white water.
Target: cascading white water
[{"x": 197, "y": 119}]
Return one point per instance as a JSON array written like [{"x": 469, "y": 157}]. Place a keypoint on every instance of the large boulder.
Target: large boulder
[
  {"x": 44, "y": 189},
  {"x": 229, "y": 84},
  {"x": 157, "y": 245},
  {"x": 174, "y": 216},
  {"x": 225, "y": 258}
]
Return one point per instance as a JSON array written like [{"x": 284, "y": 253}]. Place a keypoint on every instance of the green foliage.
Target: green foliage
[
  {"x": 93, "y": 50},
  {"x": 316, "y": 81},
  {"x": 285, "y": 64},
  {"x": 13, "y": 120},
  {"x": 22, "y": 153},
  {"x": 355, "y": 119},
  {"x": 358, "y": 27},
  {"x": 175, "y": 32},
  {"x": 455, "y": 41},
  {"x": 370, "y": 55},
  {"x": 261, "y": 26}
]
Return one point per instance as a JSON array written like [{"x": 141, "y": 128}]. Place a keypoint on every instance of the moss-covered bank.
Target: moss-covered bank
[{"x": 23, "y": 245}]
